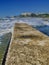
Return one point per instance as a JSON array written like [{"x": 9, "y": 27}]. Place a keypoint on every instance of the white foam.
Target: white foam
[{"x": 7, "y": 25}]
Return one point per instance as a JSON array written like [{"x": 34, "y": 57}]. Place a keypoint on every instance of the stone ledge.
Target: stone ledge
[{"x": 28, "y": 47}]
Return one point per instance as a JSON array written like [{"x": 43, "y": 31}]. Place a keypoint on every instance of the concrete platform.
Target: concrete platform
[{"x": 28, "y": 47}]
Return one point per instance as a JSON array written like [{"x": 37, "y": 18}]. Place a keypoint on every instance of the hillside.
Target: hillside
[{"x": 34, "y": 15}]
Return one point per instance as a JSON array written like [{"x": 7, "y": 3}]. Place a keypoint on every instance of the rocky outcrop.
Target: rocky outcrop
[{"x": 28, "y": 47}]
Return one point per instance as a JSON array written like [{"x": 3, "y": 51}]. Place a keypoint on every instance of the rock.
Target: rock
[{"x": 28, "y": 47}]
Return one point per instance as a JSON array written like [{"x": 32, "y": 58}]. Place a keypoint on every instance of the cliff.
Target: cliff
[{"x": 28, "y": 47}]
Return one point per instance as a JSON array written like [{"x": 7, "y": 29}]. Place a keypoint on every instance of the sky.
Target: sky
[{"x": 16, "y": 7}]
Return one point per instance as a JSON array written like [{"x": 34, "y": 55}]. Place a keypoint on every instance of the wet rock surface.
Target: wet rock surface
[{"x": 28, "y": 47}]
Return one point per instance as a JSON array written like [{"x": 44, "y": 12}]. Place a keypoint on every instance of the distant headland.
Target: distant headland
[{"x": 28, "y": 14}]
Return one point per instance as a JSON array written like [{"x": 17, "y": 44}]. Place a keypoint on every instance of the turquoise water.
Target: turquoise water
[{"x": 5, "y": 39}]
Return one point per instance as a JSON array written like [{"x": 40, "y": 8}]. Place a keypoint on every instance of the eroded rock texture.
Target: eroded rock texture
[{"x": 28, "y": 47}]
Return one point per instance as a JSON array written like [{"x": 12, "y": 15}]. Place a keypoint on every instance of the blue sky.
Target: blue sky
[{"x": 16, "y": 7}]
